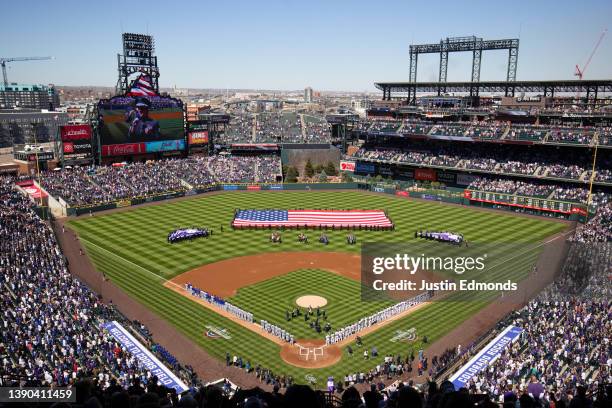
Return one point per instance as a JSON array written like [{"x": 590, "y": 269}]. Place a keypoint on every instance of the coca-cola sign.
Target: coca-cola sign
[
  {"x": 123, "y": 149},
  {"x": 70, "y": 133}
]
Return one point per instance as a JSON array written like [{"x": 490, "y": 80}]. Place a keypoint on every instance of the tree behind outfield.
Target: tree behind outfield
[
  {"x": 309, "y": 169},
  {"x": 292, "y": 175},
  {"x": 323, "y": 177},
  {"x": 330, "y": 169}
]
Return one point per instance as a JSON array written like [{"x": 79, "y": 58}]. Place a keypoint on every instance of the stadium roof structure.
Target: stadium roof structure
[{"x": 592, "y": 88}]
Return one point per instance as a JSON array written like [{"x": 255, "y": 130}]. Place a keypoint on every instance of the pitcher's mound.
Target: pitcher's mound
[{"x": 311, "y": 301}]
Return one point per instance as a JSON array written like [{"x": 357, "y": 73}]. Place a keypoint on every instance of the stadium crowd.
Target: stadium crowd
[
  {"x": 489, "y": 130},
  {"x": 316, "y": 130},
  {"x": 276, "y": 127},
  {"x": 93, "y": 185},
  {"x": 50, "y": 321},
  {"x": 504, "y": 159},
  {"x": 61, "y": 342},
  {"x": 565, "y": 347}
]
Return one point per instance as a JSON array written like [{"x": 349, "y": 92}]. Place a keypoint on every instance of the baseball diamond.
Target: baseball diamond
[{"x": 130, "y": 248}]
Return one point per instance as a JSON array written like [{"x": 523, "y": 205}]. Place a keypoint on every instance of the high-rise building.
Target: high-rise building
[
  {"x": 308, "y": 95},
  {"x": 28, "y": 97},
  {"x": 28, "y": 126}
]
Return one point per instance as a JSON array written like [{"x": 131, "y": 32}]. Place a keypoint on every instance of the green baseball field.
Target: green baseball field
[{"x": 130, "y": 247}]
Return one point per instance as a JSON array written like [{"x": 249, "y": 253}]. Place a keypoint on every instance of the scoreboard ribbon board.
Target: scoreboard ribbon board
[{"x": 532, "y": 203}]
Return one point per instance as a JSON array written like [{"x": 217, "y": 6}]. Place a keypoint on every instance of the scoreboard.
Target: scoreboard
[{"x": 533, "y": 203}]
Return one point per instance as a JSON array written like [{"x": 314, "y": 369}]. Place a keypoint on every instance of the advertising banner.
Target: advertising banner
[
  {"x": 81, "y": 147},
  {"x": 76, "y": 140},
  {"x": 73, "y": 133},
  {"x": 347, "y": 165},
  {"x": 255, "y": 146},
  {"x": 457, "y": 138},
  {"x": 230, "y": 187},
  {"x": 198, "y": 138},
  {"x": 486, "y": 356},
  {"x": 362, "y": 167},
  {"x": 123, "y": 149},
  {"x": 276, "y": 187},
  {"x": 164, "y": 146},
  {"x": 444, "y": 177},
  {"x": 405, "y": 173},
  {"x": 34, "y": 191},
  {"x": 385, "y": 169},
  {"x": 41, "y": 156},
  {"x": 402, "y": 193},
  {"x": 253, "y": 188},
  {"x": 465, "y": 179},
  {"x": 165, "y": 376},
  {"x": 579, "y": 210},
  {"x": 425, "y": 174}
]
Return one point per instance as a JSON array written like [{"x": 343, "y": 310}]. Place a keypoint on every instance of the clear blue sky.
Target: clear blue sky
[{"x": 287, "y": 44}]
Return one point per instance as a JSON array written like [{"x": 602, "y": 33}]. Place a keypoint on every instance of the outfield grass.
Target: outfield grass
[{"x": 131, "y": 248}]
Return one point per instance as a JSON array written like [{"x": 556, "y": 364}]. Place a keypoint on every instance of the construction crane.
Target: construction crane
[
  {"x": 3, "y": 62},
  {"x": 580, "y": 72}
]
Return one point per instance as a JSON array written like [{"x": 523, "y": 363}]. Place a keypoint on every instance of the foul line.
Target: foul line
[
  {"x": 541, "y": 244},
  {"x": 180, "y": 290},
  {"x": 130, "y": 262}
]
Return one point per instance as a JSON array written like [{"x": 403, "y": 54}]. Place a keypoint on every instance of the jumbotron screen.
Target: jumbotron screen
[{"x": 143, "y": 124}]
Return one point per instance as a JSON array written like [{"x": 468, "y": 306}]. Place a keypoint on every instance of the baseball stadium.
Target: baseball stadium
[{"x": 447, "y": 246}]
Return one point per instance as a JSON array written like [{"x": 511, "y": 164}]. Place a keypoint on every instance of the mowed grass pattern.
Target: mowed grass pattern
[
  {"x": 131, "y": 248},
  {"x": 272, "y": 298}
]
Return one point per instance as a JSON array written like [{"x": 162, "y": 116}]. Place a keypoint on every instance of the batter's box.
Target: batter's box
[{"x": 313, "y": 352}]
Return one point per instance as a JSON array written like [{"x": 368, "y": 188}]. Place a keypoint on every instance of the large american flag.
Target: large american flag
[
  {"x": 142, "y": 86},
  {"x": 312, "y": 218}
]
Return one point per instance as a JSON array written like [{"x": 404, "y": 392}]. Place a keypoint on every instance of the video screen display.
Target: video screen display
[{"x": 155, "y": 121}]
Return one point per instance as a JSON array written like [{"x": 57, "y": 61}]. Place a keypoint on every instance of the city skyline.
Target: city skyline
[{"x": 288, "y": 46}]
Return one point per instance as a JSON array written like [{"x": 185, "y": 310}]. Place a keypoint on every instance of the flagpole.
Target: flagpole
[
  {"x": 40, "y": 191},
  {"x": 592, "y": 178}
]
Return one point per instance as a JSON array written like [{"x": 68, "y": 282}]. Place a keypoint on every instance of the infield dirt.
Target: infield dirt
[{"x": 224, "y": 278}]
